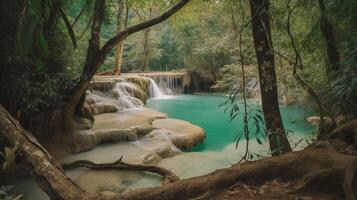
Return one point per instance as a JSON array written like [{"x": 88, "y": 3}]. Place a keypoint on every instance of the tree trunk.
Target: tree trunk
[
  {"x": 42, "y": 165},
  {"x": 120, "y": 46},
  {"x": 145, "y": 60},
  {"x": 328, "y": 34},
  {"x": 91, "y": 64},
  {"x": 268, "y": 86},
  {"x": 20, "y": 19}
]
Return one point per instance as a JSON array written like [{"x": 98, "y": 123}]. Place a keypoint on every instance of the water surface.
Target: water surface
[{"x": 206, "y": 112}]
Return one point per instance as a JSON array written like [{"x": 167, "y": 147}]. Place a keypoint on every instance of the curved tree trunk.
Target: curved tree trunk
[{"x": 265, "y": 57}]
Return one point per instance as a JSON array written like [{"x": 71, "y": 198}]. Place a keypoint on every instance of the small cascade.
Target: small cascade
[
  {"x": 155, "y": 91},
  {"x": 171, "y": 84},
  {"x": 164, "y": 84},
  {"x": 116, "y": 135},
  {"x": 124, "y": 92}
]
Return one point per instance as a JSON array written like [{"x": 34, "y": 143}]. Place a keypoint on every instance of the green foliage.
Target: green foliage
[
  {"x": 7, "y": 194},
  {"x": 341, "y": 92},
  {"x": 35, "y": 73},
  {"x": 8, "y": 156}
]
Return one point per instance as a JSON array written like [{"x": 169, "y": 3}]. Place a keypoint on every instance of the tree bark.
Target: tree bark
[
  {"x": 268, "y": 86},
  {"x": 42, "y": 165},
  {"x": 20, "y": 19},
  {"x": 120, "y": 46},
  {"x": 328, "y": 34},
  {"x": 96, "y": 55},
  {"x": 168, "y": 176},
  {"x": 145, "y": 60}
]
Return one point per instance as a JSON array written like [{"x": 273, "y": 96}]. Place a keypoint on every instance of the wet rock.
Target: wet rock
[
  {"x": 142, "y": 82},
  {"x": 103, "y": 107},
  {"x": 84, "y": 124},
  {"x": 84, "y": 140},
  {"x": 160, "y": 142},
  {"x": 143, "y": 130},
  {"x": 183, "y": 134},
  {"x": 103, "y": 85},
  {"x": 315, "y": 120},
  {"x": 123, "y": 89},
  {"x": 116, "y": 135},
  {"x": 151, "y": 158}
]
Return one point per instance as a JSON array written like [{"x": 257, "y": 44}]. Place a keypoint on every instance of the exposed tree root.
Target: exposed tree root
[
  {"x": 345, "y": 132},
  {"x": 169, "y": 177},
  {"x": 319, "y": 168}
]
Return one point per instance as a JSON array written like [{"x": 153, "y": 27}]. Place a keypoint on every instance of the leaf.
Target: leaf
[
  {"x": 8, "y": 152},
  {"x": 18, "y": 197},
  {"x": 39, "y": 64},
  {"x": 238, "y": 141},
  {"x": 42, "y": 43},
  {"x": 259, "y": 141},
  {"x": 69, "y": 27}
]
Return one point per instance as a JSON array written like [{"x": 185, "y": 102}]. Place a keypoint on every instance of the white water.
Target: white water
[
  {"x": 170, "y": 84},
  {"x": 124, "y": 96},
  {"x": 155, "y": 91}
]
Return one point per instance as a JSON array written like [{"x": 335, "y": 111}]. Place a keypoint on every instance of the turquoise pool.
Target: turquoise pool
[{"x": 204, "y": 111}]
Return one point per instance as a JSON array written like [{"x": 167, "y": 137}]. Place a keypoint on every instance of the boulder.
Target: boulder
[
  {"x": 183, "y": 134},
  {"x": 158, "y": 141},
  {"x": 315, "y": 120},
  {"x": 84, "y": 140},
  {"x": 103, "y": 107}
]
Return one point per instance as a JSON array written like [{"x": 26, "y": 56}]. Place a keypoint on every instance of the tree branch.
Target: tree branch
[
  {"x": 110, "y": 44},
  {"x": 168, "y": 176}
]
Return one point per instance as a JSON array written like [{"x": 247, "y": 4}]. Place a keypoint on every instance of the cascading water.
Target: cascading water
[
  {"x": 170, "y": 83},
  {"x": 124, "y": 92},
  {"x": 155, "y": 91}
]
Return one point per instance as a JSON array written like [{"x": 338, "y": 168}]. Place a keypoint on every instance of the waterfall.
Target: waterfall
[
  {"x": 171, "y": 84},
  {"x": 124, "y": 92},
  {"x": 164, "y": 84},
  {"x": 155, "y": 91}
]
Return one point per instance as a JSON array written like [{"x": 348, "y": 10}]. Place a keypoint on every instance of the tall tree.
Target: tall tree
[
  {"x": 145, "y": 10},
  {"x": 268, "y": 86},
  {"x": 121, "y": 24},
  {"x": 328, "y": 34}
]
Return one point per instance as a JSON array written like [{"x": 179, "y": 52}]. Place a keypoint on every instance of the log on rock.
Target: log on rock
[
  {"x": 41, "y": 164},
  {"x": 169, "y": 177},
  {"x": 318, "y": 169}
]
